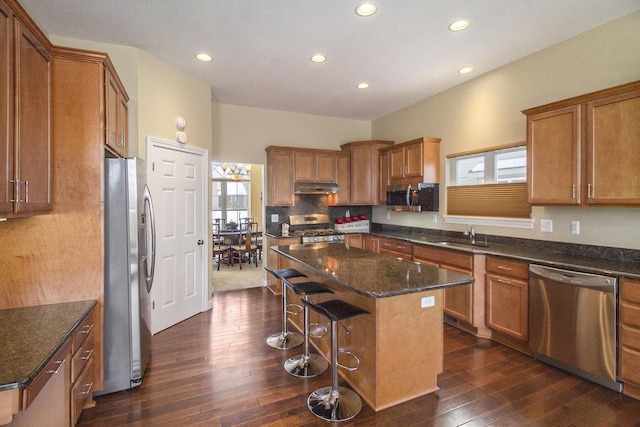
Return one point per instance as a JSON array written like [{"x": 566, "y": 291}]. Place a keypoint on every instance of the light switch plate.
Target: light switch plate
[
  {"x": 546, "y": 225},
  {"x": 575, "y": 227},
  {"x": 427, "y": 302}
]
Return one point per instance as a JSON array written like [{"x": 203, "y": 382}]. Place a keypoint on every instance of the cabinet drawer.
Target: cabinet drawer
[
  {"x": 630, "y": 291},
  {"x": 630, "y": 314},
  {"x": 82, "y": 357},
  {"x": 84, "y": 330},
  {"x": 630, "y": 365},
  {"x": 81, "y": 392},
  {"x": 54, "y": 367},
  {"x": 396, "y": 246},
  {"x": 442, "y": 256},
  {"x": 508, "y": 267},
  {"x": 630, "y": 337}
]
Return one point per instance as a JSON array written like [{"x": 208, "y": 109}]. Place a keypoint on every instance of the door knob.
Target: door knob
[{"x": 200, "y": 242}]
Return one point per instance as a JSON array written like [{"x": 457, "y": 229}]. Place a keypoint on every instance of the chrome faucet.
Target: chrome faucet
[{"x": 471, "y": 232}]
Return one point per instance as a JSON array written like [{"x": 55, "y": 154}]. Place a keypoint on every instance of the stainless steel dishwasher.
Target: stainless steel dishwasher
[{"x": 572, "y": 322}]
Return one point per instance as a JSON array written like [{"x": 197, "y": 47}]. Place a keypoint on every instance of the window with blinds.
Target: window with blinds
[{"x": 489, "y": 183}]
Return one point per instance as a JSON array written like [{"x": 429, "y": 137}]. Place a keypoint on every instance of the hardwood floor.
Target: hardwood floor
[{"x": 215, "y": 369}]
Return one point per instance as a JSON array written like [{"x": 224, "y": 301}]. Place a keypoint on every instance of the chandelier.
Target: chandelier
[{"x": 235, "y": 171}]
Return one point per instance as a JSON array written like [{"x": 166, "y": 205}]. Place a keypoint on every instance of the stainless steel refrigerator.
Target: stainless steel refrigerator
[{"x": 129, "y": 236}]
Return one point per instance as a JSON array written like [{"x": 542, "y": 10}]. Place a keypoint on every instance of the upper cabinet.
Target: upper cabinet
[
  {"x": 117, "y": 121},
  {"x": 365, "y": 173},
  {"x": 280, "y": 171},
  {"x": 583, "y": 150},
  {"x": 25, "y": 76},
  {"x": 343, "y": 179},
  {"x": 412, "y": 162},
  {"x": 315, "y": 166}
]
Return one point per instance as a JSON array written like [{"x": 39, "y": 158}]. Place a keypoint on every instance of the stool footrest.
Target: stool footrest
[
  {"x": 298, "y": 307},
  {"x": 356, "y": 358},
  {"x": 319, "y": 326}
]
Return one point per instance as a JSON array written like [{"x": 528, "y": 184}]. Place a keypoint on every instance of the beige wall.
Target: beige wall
[
  {"x": 485, "y": 112},
  {"x": 240, "y": 134}
]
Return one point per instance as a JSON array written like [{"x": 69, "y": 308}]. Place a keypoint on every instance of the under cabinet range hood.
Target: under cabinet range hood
[{"x": 314, "y": 188}]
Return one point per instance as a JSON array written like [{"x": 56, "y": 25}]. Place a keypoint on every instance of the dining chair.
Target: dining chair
[
  {"x": 220, "y": 248},
  {"x": 257, "y": 235},
  {"x": 248, "y": 247}
]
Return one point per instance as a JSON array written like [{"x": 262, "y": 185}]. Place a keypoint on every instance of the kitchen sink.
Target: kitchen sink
[{"x": 461, "y": 243}]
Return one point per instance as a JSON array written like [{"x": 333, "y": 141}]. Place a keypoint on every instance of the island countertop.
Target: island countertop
[{"x": 368, "y": 273}]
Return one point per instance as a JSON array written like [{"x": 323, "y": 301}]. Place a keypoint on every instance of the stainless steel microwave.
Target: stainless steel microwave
[{"x": 404, "y": 198}]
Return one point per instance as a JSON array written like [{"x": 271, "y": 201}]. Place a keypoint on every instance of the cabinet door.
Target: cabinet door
[
  {"x": 364, "y": 164},
  {"x": 343, "y": 179},
  {"x": 458, "y": 300},
  {"x": 383, "y": 167},
  {"x": 413, "y": 159},
  {"x": 553, "y": 157},
  {"x": 33, "y": 109},
  {"x": 370, "y": 243},
  {"x": 613, "y": 157},
  {"x": 396, "y": 163},
  {"x": 115, "y": 119},
  {"x": 305, "y": 166},
  {"x": 507, "y": 305},
  {"x": 354, "y": 241},
  {"x": 280, "y": 178},
  {"x": 6, "y": 109},
  {"x": 325, "y": 167},
  {"x": 123, "y": 127}
]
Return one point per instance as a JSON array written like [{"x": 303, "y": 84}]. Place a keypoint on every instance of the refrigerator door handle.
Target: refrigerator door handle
[{"x": 148, "y": 273}]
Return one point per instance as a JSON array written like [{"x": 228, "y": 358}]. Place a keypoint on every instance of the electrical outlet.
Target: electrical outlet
[
  {"x": 435, "y": 218},
  {"x": 274, "y": 218},
  {"x": 546, "y": 225},
  {"x": 427, "y": 302},
  {"x": 575, "y": 227},
  {"x": 388, "y": 215}
]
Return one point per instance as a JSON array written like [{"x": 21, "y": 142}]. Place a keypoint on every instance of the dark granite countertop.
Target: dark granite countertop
[
  {"x": 31, "y": 336},
  {"x": 368, "y": 273},
  {"x": 587, "y": 264}
]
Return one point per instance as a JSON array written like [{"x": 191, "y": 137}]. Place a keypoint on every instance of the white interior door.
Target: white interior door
[{"x": 177, "y": 179}]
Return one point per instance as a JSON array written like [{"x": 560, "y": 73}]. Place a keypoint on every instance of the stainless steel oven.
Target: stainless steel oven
[{"x": 313, "y": 228}]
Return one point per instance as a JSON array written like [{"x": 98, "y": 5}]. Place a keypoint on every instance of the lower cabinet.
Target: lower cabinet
[
  {"x": 370, "y": 243},
  {"x": 630, "y": 336},
  {"x": 353, "y": 241},
  {"x": 507, "y": 299},
  {"x": 82, "y": 365},
  {"x": 458, "y": 300},
  {"x": 274, "y": 261},
  {"x": 396, "y": 248}
]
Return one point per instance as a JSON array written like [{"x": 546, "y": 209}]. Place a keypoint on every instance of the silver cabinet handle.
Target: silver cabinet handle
[
  {"x": 589, "y": 193},
  {"x": 506, "y": 282},
  {"x": 573, "y": 191},
  {"x": 16, "y": 190},
  {"x": 60, "y": 365},
  {"x": 500, "y": 267},
  {"x": 88, "y": 356},
  {"x": 89, "y": 387},
  {"x": 26, "y": 191},
  {"x": 86, "y": 329}
]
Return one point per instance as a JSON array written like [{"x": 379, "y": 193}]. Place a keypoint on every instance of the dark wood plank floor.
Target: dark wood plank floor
[{"x": 215, "y": 369}]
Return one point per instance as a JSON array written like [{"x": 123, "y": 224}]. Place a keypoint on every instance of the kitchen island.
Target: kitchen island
[{"x": 399, "y": 342}]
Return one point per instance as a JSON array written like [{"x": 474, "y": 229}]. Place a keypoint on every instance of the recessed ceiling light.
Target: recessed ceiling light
[
  {"x": 318, "y": 58},
  {"x": 204, "y": 57},
  {"x": 366, "y": 9},
  {"x": 465, "y": 70},
  {"x": 459, "y": 25},
  {"x": 363, "y": 85}
]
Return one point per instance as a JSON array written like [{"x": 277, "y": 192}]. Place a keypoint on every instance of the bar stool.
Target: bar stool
[
  {"x": 307, "y": 365},
  {"x": 335, "y": 403},
  {"x": 285, "y": 339}
]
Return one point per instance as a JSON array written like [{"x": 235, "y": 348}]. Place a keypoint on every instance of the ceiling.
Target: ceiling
[{"x": 261, "y": 49}]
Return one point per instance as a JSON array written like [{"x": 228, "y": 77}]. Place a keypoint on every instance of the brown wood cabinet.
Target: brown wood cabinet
[
  {"x": 343, "y": 179},
  {"x": 280, "y": 173},
  {"x": 630, "y": 336},
  {"x": 383, "y": 178},
  {"x": 396, "y": 248},
  {"x": 364, "y": 170},
  {"x": 314, "y": 166},
  {"x": 275, "y": 261},
  {"x": 507, "y": 287},
  {"x": 353, "y": 241},
  {"x": 83, "y": 367},
  {"x": 117, "y": 113},
  {"x": 458, "y": 300},
  {"x": 370, "y": 243},
  {"x": 413, "y": 162},
  {"x": 25, "y": 169},
  {"x": 582, "y": 151}
]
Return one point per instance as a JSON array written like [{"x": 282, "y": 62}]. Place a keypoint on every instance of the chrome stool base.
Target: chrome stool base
[
  {"x": 311, "y": 366},
  {"x": 283, "y": 341},
  {"x": 332, "y": 406}
]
